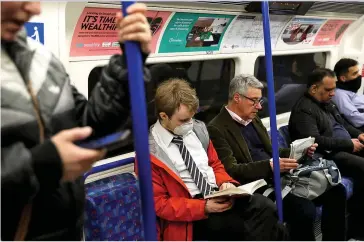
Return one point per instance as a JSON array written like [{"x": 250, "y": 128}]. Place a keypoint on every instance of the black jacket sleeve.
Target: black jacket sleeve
[
  {"x": 24, "y": 171},
  {"x": 304, "y": 125},
  {"x": 109, "y": 105}
]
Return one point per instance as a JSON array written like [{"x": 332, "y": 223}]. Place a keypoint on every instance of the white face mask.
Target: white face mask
[{"x": 183, "y": 129}]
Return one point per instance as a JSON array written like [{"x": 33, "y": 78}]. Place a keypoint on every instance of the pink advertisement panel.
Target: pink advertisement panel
[
  {"x": 331, "y": 32},
  {"x": 96, "y": 33}
]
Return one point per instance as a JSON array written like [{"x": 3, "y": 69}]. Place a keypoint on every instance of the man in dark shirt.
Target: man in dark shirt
[
  {"x": 316, "y": 115},
  {"x": 244, "y": 147}
]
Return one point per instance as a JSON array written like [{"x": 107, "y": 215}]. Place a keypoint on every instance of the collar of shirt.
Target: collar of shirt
[
  {"x": 165, "y": 136},
  {"x": 237, "y": 118}
]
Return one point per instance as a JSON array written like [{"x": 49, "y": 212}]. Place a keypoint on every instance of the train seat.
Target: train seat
[{"x": 113, "y": 209}]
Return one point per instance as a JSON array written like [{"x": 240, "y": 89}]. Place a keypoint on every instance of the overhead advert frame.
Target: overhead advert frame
[
  {"x": 95, "y": 33},
  {"x": 191, "y": 32}
]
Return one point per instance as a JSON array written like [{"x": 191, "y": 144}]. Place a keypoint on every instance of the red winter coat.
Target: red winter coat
[{"x": 174, "y": 206}]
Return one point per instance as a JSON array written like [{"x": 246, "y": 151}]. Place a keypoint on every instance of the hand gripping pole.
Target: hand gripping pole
[{"x": 140, "y": 128}]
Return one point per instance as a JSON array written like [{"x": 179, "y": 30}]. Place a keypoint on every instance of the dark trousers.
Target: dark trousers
[
  {"x": 251, "y": 218},
  {"x": 333, "y": 220},
  {"x": 300, "y": 213},
  {"x": 352, "y": 166}
]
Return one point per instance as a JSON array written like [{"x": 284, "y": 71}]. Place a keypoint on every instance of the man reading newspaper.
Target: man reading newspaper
[{"x": 243, "y": 144}]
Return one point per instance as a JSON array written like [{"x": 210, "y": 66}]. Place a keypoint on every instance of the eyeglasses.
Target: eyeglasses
[{"x": 255, "y": 101}]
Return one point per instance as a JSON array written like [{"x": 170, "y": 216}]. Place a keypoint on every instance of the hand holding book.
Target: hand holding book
[
  {"x": 244, "y": 190},
  {"x": 226, "y": 185},
  {"x": 218, "y": 204}
]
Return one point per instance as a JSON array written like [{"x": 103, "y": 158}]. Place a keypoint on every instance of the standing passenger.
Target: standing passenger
[
  {"x": 42, "y": 194},
  {"x": 185, "y": 167}
]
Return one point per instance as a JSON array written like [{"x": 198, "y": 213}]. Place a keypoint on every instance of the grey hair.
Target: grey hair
[{"x": 241, "y": 83}]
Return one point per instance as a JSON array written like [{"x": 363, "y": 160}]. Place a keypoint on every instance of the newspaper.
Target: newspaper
[{"x": 299, "y": 147}]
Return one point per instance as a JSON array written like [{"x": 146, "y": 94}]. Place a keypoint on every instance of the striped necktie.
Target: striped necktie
[{"x": 196, "y": 174}]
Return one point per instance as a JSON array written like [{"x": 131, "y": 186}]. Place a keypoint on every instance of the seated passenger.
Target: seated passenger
[
  {"x": 42, "y": 185},
  {"x": 349, "y": 103},
  {"x": 244, "y": 147},
  {"x": 159, "y": 73},
  {"x": 315, "y": 115},
  {"x": 179, "y": 147}
]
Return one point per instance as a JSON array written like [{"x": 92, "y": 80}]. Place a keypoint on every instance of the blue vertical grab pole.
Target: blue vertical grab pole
[
  {"x": 272, "y": 107},
  {"x": 140, "y": 127}
]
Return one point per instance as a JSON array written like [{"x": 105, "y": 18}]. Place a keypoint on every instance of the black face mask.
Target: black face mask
[{"x": 352, "y": 85}]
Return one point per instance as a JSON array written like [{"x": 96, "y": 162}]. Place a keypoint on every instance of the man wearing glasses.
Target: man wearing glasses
[{"x": 243, "y": 145}]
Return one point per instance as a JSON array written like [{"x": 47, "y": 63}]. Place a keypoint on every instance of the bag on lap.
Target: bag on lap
[{"x": 310, "y": 180}]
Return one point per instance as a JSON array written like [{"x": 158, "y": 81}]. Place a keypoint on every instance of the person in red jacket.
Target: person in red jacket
[{"x": 185, "y": 168}]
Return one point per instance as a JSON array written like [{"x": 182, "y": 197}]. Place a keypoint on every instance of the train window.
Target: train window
[
  {"x": 290, "y": 77},
  {"x": 210, "y": 78}
]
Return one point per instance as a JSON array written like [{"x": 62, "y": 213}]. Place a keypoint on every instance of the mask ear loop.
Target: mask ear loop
[{"x": 168, "y": 128}]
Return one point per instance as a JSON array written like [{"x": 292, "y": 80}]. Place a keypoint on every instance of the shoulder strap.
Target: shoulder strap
[
  {"x": 201, "y": 132},
  {"x": 26, "y": 214},
  {"x": 22, "y": 66},
  {"x": 22, "y": 229}
]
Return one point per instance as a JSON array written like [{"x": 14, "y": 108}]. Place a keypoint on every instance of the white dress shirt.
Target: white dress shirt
[
  {"x": 237, "y": 118},
  {"x": 163, "y": 138}
]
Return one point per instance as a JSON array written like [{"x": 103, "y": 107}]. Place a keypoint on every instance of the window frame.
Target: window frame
[{"x": 327, "y": 59}]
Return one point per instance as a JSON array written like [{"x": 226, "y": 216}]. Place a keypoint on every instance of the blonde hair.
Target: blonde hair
[{"x": 172, "y": 93}]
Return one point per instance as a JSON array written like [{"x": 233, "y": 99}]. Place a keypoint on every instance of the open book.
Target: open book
[
  {"x": 299, "y": 147},
  {"x": 244, "y": 190}
]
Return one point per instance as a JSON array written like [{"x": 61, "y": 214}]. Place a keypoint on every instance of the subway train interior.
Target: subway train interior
[{"x": 83, "y": 36}]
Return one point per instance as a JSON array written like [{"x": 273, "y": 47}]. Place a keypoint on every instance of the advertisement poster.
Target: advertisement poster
[
  {"x": 96, "y": 34},
  {"x": 302, "y": 30},
  {"x": 190, "y": 32},
  {"x": 331, "y": 32},
  {"x": 246, "y": 31}
]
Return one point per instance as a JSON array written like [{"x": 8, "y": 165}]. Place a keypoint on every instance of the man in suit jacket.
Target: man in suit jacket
[
  {"x": 244, "y": 147},
  {"x": 186, "y": 168}
]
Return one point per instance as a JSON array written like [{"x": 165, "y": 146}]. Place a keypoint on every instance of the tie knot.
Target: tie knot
[{"x": 177, "y": 140}]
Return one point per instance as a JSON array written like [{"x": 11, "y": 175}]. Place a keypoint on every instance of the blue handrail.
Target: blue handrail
[
  {"x": 272, "y": 107},
  {"x": 140, "y": 128}
]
